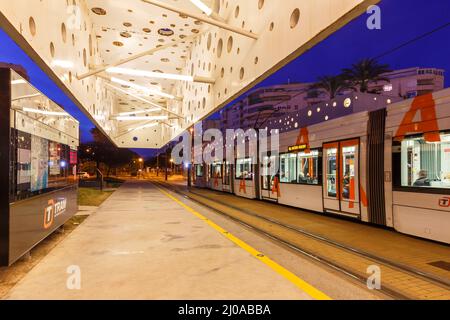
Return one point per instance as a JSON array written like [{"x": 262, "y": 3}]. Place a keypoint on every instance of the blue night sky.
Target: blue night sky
[{"x": 402, "y": 21}]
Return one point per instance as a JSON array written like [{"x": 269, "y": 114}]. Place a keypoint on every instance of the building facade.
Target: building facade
[
  {"x": 410, "y": 83},
  {"x": 266, "y": 103},
  {"x": 280, "y": 106}
]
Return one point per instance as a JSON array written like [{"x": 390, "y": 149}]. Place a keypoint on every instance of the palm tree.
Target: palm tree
[
  {"x": 333, "y": 85},
  {"x": 366, "y": 71}
]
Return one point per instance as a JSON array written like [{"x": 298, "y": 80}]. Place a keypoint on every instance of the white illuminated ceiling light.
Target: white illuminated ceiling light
[
  {"x": 131, "y": 118},
  {"x": 62, "y": 64},
  {"x": 48, "y": 113},
  {"x": 146, "y": 126},
  {"x": 142, "y": 99},
  {"x": 20, "y": 81},
  {"x": 139, "y": 112},
  {"x": 149, "y": 74},
  {"x": 199, "y": 4},
  {"x": 27, "y": 97},
  {"x": 143, "y": 89}
]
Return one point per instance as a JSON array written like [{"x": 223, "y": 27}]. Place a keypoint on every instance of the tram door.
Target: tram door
[
  {"x": 341, "y": 179},
  {"x": 268, "y": 177},
  {"x": 227, "y": 178}
]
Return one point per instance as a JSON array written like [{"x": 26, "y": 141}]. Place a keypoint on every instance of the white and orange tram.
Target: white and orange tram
[{"x": 387, "y": 166}]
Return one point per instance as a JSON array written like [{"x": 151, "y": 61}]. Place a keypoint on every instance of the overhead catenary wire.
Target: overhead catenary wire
[{"x": 417, "y": 38}]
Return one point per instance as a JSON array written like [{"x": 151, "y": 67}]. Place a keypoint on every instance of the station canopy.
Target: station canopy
[{"x": 144, "y": 71}]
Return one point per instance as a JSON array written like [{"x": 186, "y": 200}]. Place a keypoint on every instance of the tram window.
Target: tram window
[
  {"x": 288, "y": 168},
  {"x": 425, "y": 164},
  {"x": 199, "y": 170},
  {"x": 308, "y": 168},
  {"x": 244, "y": 169},
  {"x": 349, "y": 167},
  {"x": 226, "y": 174},
  {"x": 216, "y": 170}
]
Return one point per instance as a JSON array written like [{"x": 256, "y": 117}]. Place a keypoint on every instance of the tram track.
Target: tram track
[
  {"x": 359, "y": 252},
  {"x": 324, "y": 250}
]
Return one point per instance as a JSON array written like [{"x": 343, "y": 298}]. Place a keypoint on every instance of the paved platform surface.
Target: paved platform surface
[{"x": 142, "y": 245}]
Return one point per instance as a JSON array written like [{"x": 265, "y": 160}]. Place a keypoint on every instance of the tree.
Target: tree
[
  {"x": 102, "y": 151},
  {"x": 333, "y": 85},
  {"x": 365, "y": 71},
  {"x": 99, "y": 137}
]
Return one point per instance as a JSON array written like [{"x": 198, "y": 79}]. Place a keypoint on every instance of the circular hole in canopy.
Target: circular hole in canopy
[
  {"x": 32, "y": 26},
  {"x": 230, "y": 44},
  {"x": 99, "y": 11},
  {"x": 295, "y": 18},
  {"x": 166, "y": 32},
  {"x": 63, "y": 33},
  {"x": 242, "y": 73},
  {"x": 52, "y": 49},
  {"x": 260, "y": 4},
  {"x": 219, "y": 48}
]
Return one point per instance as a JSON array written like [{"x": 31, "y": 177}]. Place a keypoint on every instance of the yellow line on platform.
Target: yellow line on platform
[{"x": 303, "y": 285}]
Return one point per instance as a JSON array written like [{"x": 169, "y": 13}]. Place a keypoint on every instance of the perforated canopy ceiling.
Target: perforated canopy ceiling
[{"x": 145, "y": 71}]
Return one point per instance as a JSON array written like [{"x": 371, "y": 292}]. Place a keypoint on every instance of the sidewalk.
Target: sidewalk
[{"x": 140, "y": 244}]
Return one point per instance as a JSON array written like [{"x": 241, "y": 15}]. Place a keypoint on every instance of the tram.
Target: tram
[{"x": 387, "y": 164}]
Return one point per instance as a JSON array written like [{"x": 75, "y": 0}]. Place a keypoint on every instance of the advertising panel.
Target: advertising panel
[
  {"x": 39, "y": 163},
  {"x": 54, "y": 164},
  {"x": 23, "y": 161}
]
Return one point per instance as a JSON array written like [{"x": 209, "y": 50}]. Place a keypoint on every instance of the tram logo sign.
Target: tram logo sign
[
  {"x": 444, "y": 202},
  {"x": 53, "y": 210}
]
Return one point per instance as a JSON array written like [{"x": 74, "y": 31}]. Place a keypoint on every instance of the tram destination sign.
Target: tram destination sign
[{"x": 300, "y": 147}]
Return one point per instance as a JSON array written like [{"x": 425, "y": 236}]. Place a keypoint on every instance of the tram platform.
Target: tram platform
[
  {"x": 149, "y": 241},
  {"x": 144, "y": 243}
]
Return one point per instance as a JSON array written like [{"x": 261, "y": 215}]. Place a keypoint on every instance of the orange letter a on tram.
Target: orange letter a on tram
[
  {"x": 428, "y": 123},
  {"x": 242, "y": 186},
  {"x": 303, "y": 138}
]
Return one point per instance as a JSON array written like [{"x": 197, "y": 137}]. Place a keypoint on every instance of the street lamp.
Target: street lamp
[
  {"x": 171, "y": 164},
  {"x": 141, "y": 166}
]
